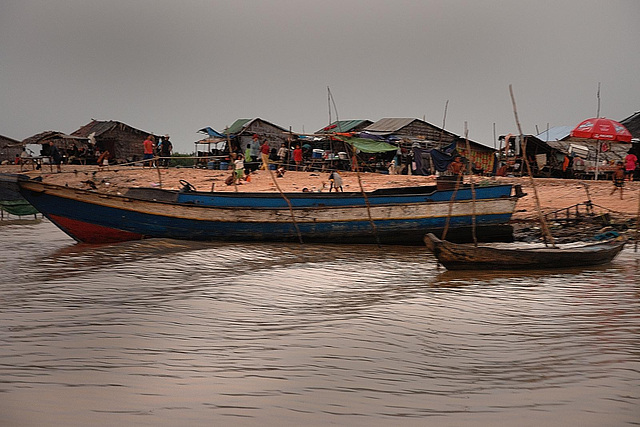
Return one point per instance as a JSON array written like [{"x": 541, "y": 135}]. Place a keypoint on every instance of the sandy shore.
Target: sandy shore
[{"x": 554, "y": 194}]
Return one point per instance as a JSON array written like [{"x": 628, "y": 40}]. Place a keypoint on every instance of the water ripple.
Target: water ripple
[{"x": 163, "y": 332}]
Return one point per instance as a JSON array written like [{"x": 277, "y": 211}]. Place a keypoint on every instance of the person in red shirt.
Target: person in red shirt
[
  {"x": 264, "y": 153},
  {"x": 297, "y": 156},
  {"x": 630, "y": 162},
  {"x": 149, "y": 144}
]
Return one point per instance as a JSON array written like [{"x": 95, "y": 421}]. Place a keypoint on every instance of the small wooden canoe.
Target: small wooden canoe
[{"x": 469, "y": 257}]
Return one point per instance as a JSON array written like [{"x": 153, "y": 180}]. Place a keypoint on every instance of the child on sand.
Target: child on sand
[
  {"x": 239, "y": 169},
  {"x": 618, "y": 179}
]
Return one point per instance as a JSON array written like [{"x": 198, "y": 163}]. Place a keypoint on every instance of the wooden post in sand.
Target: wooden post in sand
[{"x": 159, "y": 174}]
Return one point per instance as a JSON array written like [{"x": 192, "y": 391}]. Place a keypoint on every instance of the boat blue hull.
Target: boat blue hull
[{"x": 91, "y": 217}]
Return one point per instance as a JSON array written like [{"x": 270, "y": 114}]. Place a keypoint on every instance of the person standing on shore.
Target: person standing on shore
[
  {"x": 282, "y": 153},
  {"x": 239, "y": 169},
  {"x": 264, "y": 154},
  {"x": 631, "y": 162},
  {"x": 149, "y": 145},
  {"x": 336, "y": 181},
  {"x": 618, "y": 179},
  {"x": 297, "y": 156},
  {"x": 55, "y": 155},
  {"x": 165, "y": 150}
]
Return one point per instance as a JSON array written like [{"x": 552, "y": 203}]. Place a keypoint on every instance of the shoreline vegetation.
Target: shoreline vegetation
[{"x": 560, "y": 199}]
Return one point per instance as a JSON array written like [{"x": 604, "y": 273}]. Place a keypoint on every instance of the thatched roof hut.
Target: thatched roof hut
[{"x": 124, "y": 143}]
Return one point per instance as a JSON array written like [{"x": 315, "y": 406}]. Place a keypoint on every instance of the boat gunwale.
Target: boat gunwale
[{"x": 129, "y": 199}]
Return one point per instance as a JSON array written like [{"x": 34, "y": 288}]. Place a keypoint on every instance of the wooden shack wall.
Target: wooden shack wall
[
  {"x": 426, "y": 131},
  {"x": 7, "y": 152},
  {"x": 125, "y": 144},
  {"x": 275, "y": 136}
]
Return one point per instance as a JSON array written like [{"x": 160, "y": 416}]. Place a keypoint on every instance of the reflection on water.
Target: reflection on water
[{"x": 164, "y": 332}]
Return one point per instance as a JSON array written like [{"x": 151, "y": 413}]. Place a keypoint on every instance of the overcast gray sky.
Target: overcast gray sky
[{"x": 177, "y": 66}]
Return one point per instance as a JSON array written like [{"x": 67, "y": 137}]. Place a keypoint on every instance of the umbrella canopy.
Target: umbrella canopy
[{"x": 602, "y": 129}]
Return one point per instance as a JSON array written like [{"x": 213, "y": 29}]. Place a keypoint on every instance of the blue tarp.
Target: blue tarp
[
  {"x": 440, "y": 158},
  {"x": 212, "y": 132}
]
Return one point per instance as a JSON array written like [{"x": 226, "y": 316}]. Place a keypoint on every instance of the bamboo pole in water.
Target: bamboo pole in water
[
  {"x": 354, "y": 160},
  {"x": 543, "y": 224},
  {"x": 459, "y": 181},
  {"x": 286, "y": 199},
  {"x": 473, "y": 188}
]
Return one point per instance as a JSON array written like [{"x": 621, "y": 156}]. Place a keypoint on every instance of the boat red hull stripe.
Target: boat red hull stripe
[{"x": 92, "y": 233}]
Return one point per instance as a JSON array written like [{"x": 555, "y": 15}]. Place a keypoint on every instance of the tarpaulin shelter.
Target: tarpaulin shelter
[{"x": 368, "y": 145}]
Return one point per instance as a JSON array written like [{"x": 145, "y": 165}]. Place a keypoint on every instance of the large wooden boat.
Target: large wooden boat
[
  {"x": 400, "y": 216},
  {"x": 482, "y": 257}
]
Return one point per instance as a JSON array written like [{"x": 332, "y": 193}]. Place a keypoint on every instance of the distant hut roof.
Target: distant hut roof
[
  {"x": 243, "y": 125},
  {"x": 237, "y": 126},
  {"x": 632, "y": 123},
  {"x": 345, "y": 126},
  {"x": 5, "y": 141},
  {"x": 389, "y": 125},
  {"x": 419, "y": 129},
  {"x": 51, "y": 135},
  {"x": 557, "y": 133},
  {"x": 100, "y": 127}
]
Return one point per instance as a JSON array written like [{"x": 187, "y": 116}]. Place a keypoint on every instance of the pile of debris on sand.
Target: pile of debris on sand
[{"x": 589, "y": 228}]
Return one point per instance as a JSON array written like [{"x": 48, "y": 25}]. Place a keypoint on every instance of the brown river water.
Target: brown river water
[{"x": 172, "y": 333}]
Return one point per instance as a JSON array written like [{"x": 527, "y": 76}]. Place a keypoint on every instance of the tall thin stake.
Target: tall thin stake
[
  {"x": 543, "y": 223},
  {"x": 354, "y": 160},
  {"x": 444, "y": 120},
  {"x": 598, "y": 113},
  {"x": 286, "y": 199},
  {"x": 459, "y": 181},
  {"x": 635, "y": 246},
  {"x": 473, "y": 188}
]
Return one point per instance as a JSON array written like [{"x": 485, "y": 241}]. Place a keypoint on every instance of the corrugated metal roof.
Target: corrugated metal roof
[
  {"x": 389, "y": 125},
  {"x": 237, "y": 126},
  {"x": 557, "y": 133},
  {"x": 342, "y": 125},
  {"x": 632, "y": 123},
  {"x": 241, "y": 125}
]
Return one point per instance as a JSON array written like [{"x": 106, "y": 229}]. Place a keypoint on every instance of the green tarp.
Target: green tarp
[
  {"x": 17, "y": 207},
  {"x": 369, "y": 145}
]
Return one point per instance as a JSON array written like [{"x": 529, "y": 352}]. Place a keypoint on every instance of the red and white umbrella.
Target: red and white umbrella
[{"x": 602, "y": 129}]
